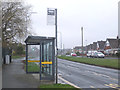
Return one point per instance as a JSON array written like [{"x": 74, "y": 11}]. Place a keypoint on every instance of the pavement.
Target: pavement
[
  {"x": 14, "y": 76},
  {"x": 88, "y": 76}
]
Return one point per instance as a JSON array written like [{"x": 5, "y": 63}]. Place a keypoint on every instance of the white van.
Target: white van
[
  {"x": 91, "y": 53},
  {"x": 98, "y": 55}
]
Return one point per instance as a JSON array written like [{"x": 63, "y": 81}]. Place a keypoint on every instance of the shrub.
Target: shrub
[{"x": 78, "y": 53}]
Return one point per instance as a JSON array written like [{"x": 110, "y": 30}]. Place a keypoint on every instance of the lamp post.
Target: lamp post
[
  {"x": 56, "y": 45},
  {"x": 82, "y": 39},
  {"x": 86, "y": 46}
]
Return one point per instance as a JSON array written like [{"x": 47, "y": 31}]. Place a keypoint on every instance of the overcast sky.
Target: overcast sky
[{"x": 99, "y": 18}]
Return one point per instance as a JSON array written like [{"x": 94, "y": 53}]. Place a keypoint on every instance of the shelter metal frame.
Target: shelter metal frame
[{"x": 43, "y": 42}]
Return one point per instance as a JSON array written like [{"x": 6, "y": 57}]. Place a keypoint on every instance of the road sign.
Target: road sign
[{"x": 51, "y": 16}]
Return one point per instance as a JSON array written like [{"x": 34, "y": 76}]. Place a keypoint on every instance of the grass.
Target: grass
[
  {"x": 56, "y": 86},
  {"x": 110, "y": 63},
  {"x": 32, "y": 67},
  {"x": 17, "y": 56},
  {"x": 20, "y": 56}
]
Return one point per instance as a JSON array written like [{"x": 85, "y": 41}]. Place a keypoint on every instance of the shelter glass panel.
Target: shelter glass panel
[{"x": 33, "y": 58}]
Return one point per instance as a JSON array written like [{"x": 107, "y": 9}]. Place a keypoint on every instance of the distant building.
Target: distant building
[
  {"x": 101, "y": 46},
  {"x": 79, "y": 49},
  {"x": 111, "y": 46},
  {"x": 94, "y": 45},
  {"x": 88, "y": 47},
  {"x": 64, "y": 51}
]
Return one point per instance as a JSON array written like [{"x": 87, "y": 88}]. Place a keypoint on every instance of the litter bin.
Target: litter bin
[{"x": 7, "y": 59}]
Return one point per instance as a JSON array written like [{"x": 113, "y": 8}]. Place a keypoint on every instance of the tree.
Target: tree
[
  {"x": 20, "y": 49},
  {"x": 15, "y": 19},
  {"x": 78, "y": 53}
]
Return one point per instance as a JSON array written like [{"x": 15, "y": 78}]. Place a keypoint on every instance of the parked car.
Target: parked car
[
  {"x": 73, "y": 54},
  {"x": 99, "y": 55},
  {"x": 91, "y": 53}
]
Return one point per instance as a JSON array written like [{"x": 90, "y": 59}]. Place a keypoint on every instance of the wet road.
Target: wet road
[{"x": 87, "y": 76}]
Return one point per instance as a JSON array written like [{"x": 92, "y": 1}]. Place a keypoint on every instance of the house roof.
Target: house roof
[
  {"x": 94, "y": 45},
  {"x": 88, "y": 47},
  {"x": 91, "y": 46},
  {"x": 113, "y": 42},
  {"x": 79, "y": 47},
  {"x": 101, "y": 44}
]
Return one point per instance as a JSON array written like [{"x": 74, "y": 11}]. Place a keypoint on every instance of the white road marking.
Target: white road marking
[
  {"x": 104, "y": 76},
  {"x": 68, "y": 82}
]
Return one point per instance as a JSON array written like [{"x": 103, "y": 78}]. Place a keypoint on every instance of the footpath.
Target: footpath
[{"x": 14, "y": 76}]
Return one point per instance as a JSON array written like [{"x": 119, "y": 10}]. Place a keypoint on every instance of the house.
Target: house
[
  {"x": 65, "y": 51},
  {"x": 88, "y": 47},
  {"x": 94, "y": 46},
  {"x": 79, "y": 49},
  {"x": 100, "y": 46},
  {"x": 91, "y": 47},
  {"x": 111, "y": 46}
]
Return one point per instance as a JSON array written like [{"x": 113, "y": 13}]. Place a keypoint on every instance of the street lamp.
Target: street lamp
[
  {"x": 86, "y": 46},
  {"x": 82, "y": 39}
]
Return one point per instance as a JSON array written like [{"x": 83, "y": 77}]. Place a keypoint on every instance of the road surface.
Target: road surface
[{"x": 87, "y": 76}]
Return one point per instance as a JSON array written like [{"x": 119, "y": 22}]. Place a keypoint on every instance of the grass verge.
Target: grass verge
[
  {"x": 110, "y": 63},
  {"x": 32, "y": 67},
  {"x": 57, "y": 86},
  {"x": 16, "y": 56}
]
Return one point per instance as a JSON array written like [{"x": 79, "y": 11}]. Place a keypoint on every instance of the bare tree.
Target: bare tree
[{"x": 15, "y": 19}]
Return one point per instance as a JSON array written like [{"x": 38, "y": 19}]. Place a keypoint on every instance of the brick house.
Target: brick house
[
  {"x": 101, "y": 46},
  {"x": 111, "y": 46}
]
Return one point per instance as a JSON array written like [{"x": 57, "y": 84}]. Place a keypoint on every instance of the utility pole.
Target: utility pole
[
  {"x": 82, "y": 39},
  {"x": 63, "y": 49},
  {"x": 86, "y": 46},
  {"x": 56, "y": 45}
]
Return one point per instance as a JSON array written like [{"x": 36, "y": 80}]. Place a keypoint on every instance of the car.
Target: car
[
  {"x": 73, "y": 54},
  {"x": 91, "y": 53},
  {"x": 98, "y": 55}
]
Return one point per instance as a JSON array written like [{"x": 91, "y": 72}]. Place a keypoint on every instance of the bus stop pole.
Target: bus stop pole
[{"x": 56, "y": 45}]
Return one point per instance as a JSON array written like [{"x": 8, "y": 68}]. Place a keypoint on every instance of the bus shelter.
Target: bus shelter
[{"x": 40, "y": 56}]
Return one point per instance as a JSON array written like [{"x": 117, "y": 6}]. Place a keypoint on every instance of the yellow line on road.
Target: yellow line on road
[
  {"x": 92, "y": 86},
  {"x": 112, "y": 85}
]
